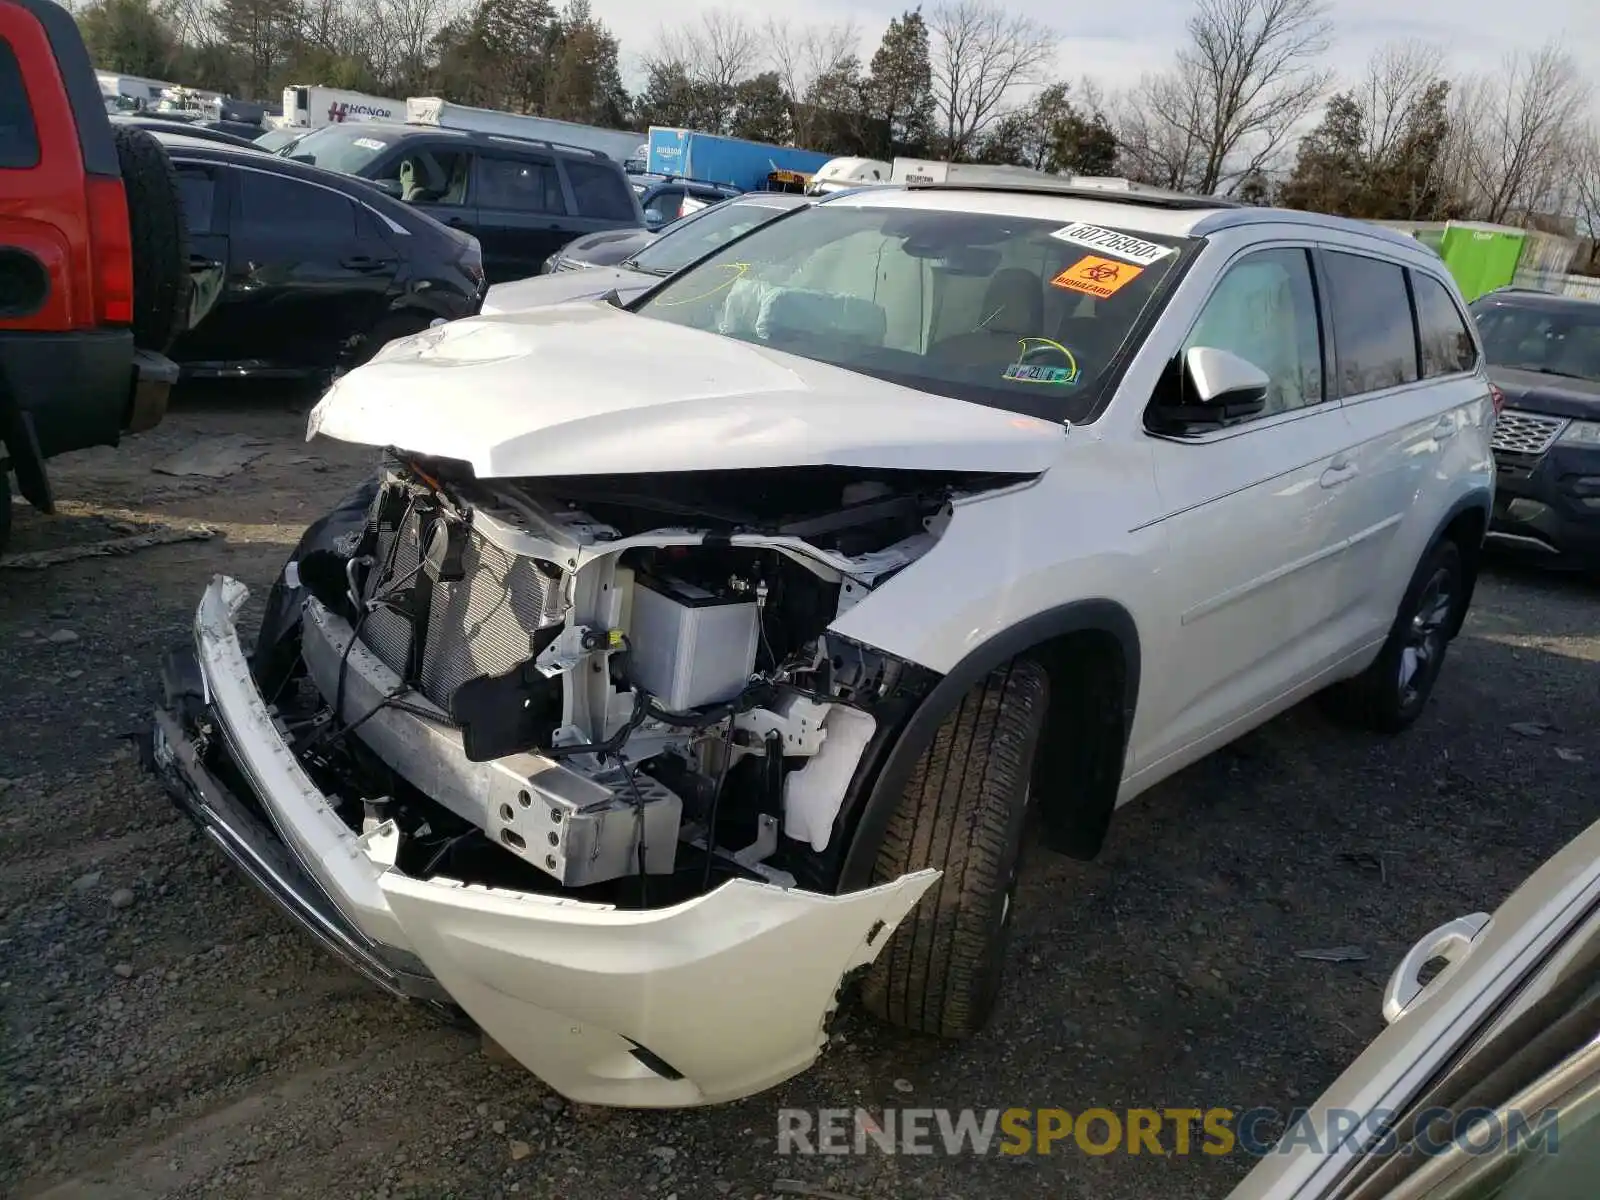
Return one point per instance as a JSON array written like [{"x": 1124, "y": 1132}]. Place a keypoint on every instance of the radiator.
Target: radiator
[{"x": 481, "y": 624}]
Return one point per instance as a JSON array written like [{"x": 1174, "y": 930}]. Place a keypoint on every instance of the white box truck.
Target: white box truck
[{"x": 311, "y": 107}]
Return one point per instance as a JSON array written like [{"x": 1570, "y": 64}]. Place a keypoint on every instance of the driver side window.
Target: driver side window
[{"x": 1264, "y": 309}]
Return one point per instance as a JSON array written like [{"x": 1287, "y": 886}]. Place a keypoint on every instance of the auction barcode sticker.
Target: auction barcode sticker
[{"x": 1109, "y": 241}]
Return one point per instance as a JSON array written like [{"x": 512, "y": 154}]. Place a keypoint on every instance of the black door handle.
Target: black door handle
[
  {"x": 199, "y": 262},
  {"x": 364, "y": 262}
]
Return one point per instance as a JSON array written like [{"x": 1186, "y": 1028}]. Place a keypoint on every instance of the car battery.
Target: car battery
[{"x": 689, "y": 647}]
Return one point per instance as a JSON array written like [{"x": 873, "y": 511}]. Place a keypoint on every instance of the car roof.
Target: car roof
[
  {"x": 771, "y": 199},
  {"x": 258, "y": 159},
  {"x": 1533, "y": 298},
  {"x": 397, "y": 131},
  {"x": 1170, "y": 214}
]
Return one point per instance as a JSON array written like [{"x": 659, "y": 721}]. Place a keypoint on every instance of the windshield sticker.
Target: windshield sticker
[
  {"x": 367, "y": 143},
  {"x": 1109, "y": 241},
  {"x": 1024, "y": 371},
  {"x": 730, "y": 274},
  {"x": 1095, "y": 276}
]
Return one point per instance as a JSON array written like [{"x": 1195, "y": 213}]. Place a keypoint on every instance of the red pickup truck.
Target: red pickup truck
[{"x": 94, "y": 268}]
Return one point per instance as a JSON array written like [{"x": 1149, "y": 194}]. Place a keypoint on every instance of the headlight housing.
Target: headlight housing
[{"x": 1581, "y": 433}]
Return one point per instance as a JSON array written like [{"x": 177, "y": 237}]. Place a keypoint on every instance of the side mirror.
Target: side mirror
[
  {"x": 391, "y": 187},
  {"x": 653, "y": 218},
  {"x": 1218, "y": 387}
]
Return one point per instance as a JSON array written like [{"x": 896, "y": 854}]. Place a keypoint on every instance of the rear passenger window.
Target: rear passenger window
[
  {"x": 1441, "y": 329},
  {"x": 1372, "y": 327},
  {"x": 197, "y": 190},
  {"x": 267, "y": 201},
  {"x": 523, "y": 185},
  {"x": 600, "y": 192},
  {"x": 19, "y": 137}
]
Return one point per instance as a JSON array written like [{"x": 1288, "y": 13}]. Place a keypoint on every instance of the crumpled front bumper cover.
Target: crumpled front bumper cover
[{"x": 705, "y": 1001}]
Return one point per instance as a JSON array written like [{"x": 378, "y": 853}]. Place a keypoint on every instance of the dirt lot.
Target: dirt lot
[{"x": 167, "y": 1033}]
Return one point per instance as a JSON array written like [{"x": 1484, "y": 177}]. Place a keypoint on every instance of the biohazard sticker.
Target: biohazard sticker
[
  {"x": 1109, "y": 241},
  {"x": 1095, "y": 276}
]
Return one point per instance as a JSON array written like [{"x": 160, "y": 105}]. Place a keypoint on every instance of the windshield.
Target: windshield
[
  {"x": 277, "y": 139},
  {"x": 699, "y": 234},
  {"x": 1564, "y": 341},
  {"x": 1017, "y": 313},
  {"x": 343, "y": 148}
]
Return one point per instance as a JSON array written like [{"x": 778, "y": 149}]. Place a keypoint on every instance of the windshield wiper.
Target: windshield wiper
[{"x": 632, "y": 264}]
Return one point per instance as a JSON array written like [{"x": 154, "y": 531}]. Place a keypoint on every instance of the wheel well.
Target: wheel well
[
  {"x": 1078, "y": 768},
  {"x": 1090, "y": 648},
  {"x": 1466, "y": 529}
]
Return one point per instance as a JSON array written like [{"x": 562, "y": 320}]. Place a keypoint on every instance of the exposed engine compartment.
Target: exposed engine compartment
[{"x": 552, "y": 685}]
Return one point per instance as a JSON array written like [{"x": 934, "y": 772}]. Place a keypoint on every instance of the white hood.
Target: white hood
[
  {"x": 564, "y": 286},
  {"x": 588, "y": 389}
]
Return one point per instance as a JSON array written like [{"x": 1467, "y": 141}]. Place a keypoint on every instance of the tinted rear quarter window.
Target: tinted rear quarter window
[
  {"x": 266, "y": 201},
  {"x": 19, "y": 137},
  {"x": 197, "y": 191},
  {"x": 599, "y": 191},
  {"x": 1372, "y": 328},
  {"x": 522, "y": 185},
  {"x": 1447, "y": 346}
]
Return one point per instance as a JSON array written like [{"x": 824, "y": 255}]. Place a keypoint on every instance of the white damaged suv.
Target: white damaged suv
[{"x": 686, "y": 658}]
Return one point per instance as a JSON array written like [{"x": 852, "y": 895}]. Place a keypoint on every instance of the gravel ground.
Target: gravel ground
[{"x": 167, "y": 1033}]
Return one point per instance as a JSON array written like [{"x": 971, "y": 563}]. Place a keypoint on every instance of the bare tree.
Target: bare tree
[
  {"x": 1587, "y": 178},
  {"x": 803, "y": 55},
  {"x": 1231, "y": 104},
  {"x": 1158, "y": 128},
  {"x": 403, "y": 34},
  {"x": 979, "y": 54},
  {"x": 716, "y": 53},
  {"x": 1395, "y": 83},
  {"x": 1518, "y": 130}
]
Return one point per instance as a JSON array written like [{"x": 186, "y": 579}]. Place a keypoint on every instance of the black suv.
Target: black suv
[
  {"x": 1544, "y": 356},
  {"x": 522, "y": 199}
]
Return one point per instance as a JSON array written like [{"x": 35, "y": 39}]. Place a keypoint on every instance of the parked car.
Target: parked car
[
  {"x": 92, "y": 252},
  {"x": 195, "y": 129},
  {"x": 643, "y": 258},
  {"x": 299, "y": 272},
  {"x": 665, "y": 198},
  {"x": 1505, "y": 1036},
  {"x": 1544, "y": 356},
  {"x": 686, "y": 657},
  {"x": 523, "y": 200}
]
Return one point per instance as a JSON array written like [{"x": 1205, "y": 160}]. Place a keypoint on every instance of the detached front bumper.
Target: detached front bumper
[{"x": 706, "y": 1001}]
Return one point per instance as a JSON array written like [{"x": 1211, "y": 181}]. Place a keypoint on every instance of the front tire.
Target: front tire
[
  {"x": 962, "y": 811},
  {"x": 1390, "y": 695}
]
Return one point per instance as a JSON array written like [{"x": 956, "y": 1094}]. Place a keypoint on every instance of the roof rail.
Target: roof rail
[
  {"x": 1047, "y": 187},
  {"x": 525, "y": 141},
  {"x": 1239, "y": 215}
]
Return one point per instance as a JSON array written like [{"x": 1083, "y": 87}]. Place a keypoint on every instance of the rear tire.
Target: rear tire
[
  {"x": 963, "y": 812},
  {"x": 1390, "y": 695},
  {"x": 160, "y": 240}
]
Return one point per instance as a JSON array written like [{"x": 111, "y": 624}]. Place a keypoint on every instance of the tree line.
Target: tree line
[{"x": 1248, "y": 107}]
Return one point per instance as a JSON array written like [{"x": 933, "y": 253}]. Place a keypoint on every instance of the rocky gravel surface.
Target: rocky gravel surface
[{"x": 165, "y": 1032}]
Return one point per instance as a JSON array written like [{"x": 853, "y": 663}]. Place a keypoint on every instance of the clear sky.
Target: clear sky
[{"x": 1115, "y": 43}]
